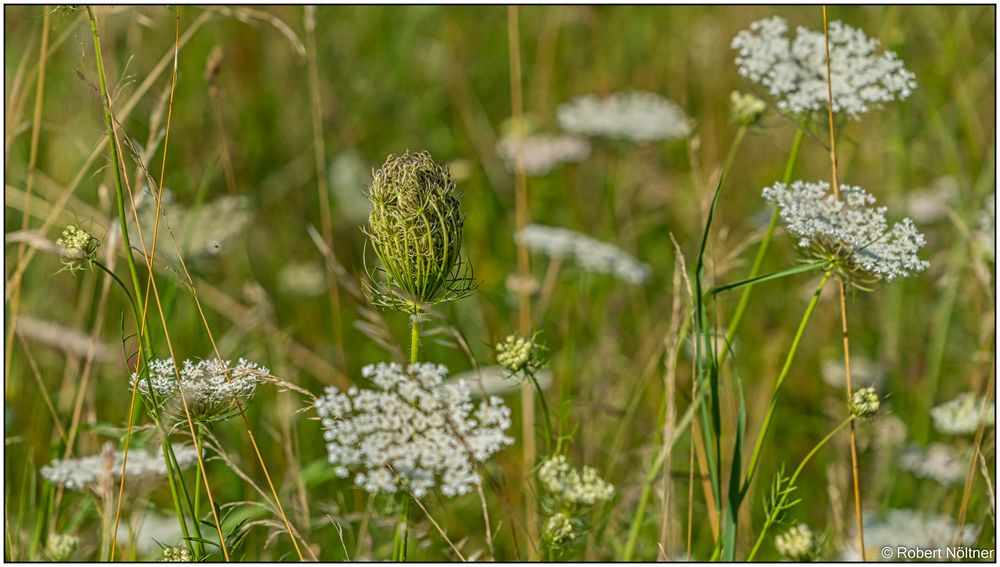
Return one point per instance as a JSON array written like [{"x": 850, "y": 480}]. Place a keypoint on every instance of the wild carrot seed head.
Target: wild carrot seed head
[{"x": 415, "y": 228}]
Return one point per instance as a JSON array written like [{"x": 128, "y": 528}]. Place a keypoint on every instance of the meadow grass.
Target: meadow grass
[{"x": 690, "y": 388}]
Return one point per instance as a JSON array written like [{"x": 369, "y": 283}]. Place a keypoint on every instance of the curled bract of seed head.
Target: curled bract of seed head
[{"x": 415, "y": 228}]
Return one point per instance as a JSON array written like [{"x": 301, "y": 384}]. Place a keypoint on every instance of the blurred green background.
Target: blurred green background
[{"x": 437, "y": 79}]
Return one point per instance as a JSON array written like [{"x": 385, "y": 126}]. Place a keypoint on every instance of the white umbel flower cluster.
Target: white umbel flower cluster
[
  {"x": 794, "y": 71},
  {"x": 796, "y": 543},
  {"x": 87, "y": 472},
  {"x": 590, "y": 254},
  {"x": 213, "y": 389},
  {"x": 543, "y": 153},
  {"x": 850, "y": 229},
  {"x": 939, "y": 462},
  {"x": 411, "y": 432},
  {"x": 570, "y": 487},
  {"x": 963, "y": 415},
  {"x": 635, "y": 116}
]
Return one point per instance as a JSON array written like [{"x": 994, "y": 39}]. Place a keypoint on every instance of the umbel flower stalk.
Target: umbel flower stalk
[{"x": 415, "y": 229}]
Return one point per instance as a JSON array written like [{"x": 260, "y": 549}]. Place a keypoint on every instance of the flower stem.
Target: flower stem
[
  {"x": 545, "y": 413},
  {"x": 415, "y": 336},
  {"x": 779, "y": 505},
  {"x": 765, "y": 426},
  {"x": 116, "y": 167},
  {"x": 402, "y": 531}
]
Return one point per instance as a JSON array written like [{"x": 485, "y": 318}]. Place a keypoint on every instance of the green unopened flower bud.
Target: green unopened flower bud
[
  {"x": 797, "y": 544},
  {"x": 516, "y": 354},
  {"x": 559, "y": 530},
  {"x": 746, "y": 108},
  {"x": 865, "y": 403},
  {"x": 415, "y": 228},
  {"x": 78, "y": 247},
  {"x": 61, "y": 547},
  {"x": 175, "y": 554}
]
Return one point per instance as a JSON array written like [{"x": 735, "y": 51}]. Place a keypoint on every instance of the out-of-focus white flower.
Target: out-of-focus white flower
[
  {"x": 199, "y": 232},
  {"x": 850, "y": 231},
  {"x": 213, "y": 389},
  {"x": 150, "y": 531},
  {"x": 495, "y": 381},
  {"x": 939, "y": 462},
  {"x": 907, "y": 529},
  {"x": 963, "y": 415},
  {"x": 572, "y": 488},
  {"x": 796, "y": 543},
  {"x": 635, "y": 116},
  {"x": 304, "y": 279},
  {"x": 590, "y": 254},
  {"x": 931, "y": 203},
  {"x": 543, "y": 153},
  {"x": 864, "y": 372},
  {"x": 746, "y": 109},
  {"x": 87, "y": 472},
  {"x": 349, "y": 175},
  {"x": 794, "y": 71},
  {"x": 411, "y": 433}
]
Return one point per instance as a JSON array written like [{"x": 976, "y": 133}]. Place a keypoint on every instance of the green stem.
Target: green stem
[
  {"x": 197, "y": 481},
  {"x": 779, "y": 505},
  {"x": 176, "y": 498},
  {"x": 545, "y": 413},
  {"x": 116, "y": 166},
  {"x": 765, "y": 426},
  {"x": 402, "y": 531},
  {"x": 414, "y": 336},
  {"x": 758, "y": 261}
]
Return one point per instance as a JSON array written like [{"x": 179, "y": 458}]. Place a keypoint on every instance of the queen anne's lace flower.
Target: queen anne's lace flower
[
  {"x": 573, "y": 488},
  {"x": 631, "y": 115},
  {"x": 542, "y": 154},
  {"x": 963, "y": 415},
  {"x": 796, "y": 543},
  {"x": 213, "y": 389},
  {"x": 590, "y": 254},
  {"x": 411, "y": 432},
  {"x": 850, "y": 231},
  {"x": 559, "y": 529},
  {"x": 87, "y": 472},
  {"x": 175, "y": 554},
  {"x": 794, "y": 71},
  {"x": 865, "y": 403},
  {"x": 939, "y": 462}
]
